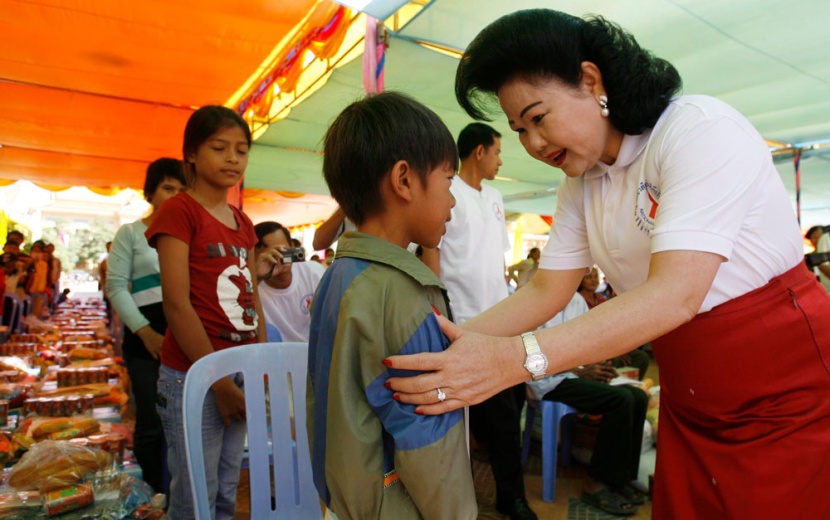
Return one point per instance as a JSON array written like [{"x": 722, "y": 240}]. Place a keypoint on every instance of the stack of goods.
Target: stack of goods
[{"x": 61, "y": 441}]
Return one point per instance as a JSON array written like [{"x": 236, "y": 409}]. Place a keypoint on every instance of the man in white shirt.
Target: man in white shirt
[
  {"x": 286, "y": 295},
  {"x": 470, "y": 262}
]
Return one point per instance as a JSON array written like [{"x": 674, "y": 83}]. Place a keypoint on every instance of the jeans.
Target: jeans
[{"x": 223, "y": 450}]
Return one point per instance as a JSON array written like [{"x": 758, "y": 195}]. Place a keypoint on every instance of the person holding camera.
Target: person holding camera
[{"x": 286, "y": 294}]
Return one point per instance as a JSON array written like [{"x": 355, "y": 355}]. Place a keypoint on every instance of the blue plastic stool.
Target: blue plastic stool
[{"x": 552, "y": 413}]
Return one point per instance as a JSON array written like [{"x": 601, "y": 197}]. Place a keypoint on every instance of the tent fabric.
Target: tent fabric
[
  {"x": 769, "y": 64},
  {"x": 91, "y": 92},
  {"x": 322, "y": 35}
]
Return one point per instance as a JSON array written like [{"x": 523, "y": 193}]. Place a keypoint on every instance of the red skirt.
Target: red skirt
[{"x": 744, "y": 429}]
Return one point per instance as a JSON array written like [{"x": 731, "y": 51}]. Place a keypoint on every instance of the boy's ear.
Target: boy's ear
[{"x": 401, "y": 179}]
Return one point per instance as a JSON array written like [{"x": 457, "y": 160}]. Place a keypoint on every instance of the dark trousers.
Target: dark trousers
[
  {"x": 639, "y": 359},
  {"x": 495, "y": 422},
  {"x": 616, "y": 458},
  {"x": 148, "y": 441}
]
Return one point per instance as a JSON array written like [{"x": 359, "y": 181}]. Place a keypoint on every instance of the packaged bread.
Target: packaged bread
[
  {"x": 59, "y": 427},
  {"x": 52, "y": 465},
  {"x": 87, "y": 353},
  {"x": 23, "y": 504},
  {"x": 95, "y": 389}
]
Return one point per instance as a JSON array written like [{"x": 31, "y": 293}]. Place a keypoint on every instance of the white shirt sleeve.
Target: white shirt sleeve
[
  {"x": 709, "y": 168},
  {"x": 567, "y": 246}
]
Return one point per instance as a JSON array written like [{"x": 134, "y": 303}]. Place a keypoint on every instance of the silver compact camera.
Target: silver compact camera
[{"x": 292, "y": 255}]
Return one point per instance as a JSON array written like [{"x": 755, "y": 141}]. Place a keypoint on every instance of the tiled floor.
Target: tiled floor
[{"x": 568, "y": 487}]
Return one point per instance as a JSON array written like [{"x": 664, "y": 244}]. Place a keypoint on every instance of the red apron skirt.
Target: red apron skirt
[{"x": 744, "y": 428}]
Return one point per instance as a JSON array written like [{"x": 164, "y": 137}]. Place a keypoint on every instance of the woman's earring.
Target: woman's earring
[{"x": 603, "y": 102}]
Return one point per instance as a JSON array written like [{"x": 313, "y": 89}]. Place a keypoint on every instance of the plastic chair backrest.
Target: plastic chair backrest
[{"x": 269, "y": 442}]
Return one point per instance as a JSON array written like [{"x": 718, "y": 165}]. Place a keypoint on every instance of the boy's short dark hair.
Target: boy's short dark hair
[
  {"x": 160, "y": 169},
  {"x": 369, "y": 137},
  {"x": 473, "y": 135}
]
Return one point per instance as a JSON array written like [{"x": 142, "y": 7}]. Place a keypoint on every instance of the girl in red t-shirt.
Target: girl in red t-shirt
[{"x": 205, "y": 249}]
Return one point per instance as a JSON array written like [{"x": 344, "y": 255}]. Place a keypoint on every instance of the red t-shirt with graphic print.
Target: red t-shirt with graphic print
[{"x": 221, "y": 289}]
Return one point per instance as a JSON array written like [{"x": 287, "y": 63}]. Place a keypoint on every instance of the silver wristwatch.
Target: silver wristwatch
[{"x": 536, "y": 362}]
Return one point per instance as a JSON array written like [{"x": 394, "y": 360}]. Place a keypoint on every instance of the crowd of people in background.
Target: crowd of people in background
[{"x": 36, "y": 274}]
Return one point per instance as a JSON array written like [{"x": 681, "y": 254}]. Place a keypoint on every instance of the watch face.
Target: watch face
[{"x": 536, "y": 363}]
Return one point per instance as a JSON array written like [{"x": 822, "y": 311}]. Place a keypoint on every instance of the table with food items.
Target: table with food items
[{"x": 64, "y": 448}]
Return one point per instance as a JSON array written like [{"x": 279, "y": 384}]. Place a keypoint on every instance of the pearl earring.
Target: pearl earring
[{"x": 603, "y": 102}]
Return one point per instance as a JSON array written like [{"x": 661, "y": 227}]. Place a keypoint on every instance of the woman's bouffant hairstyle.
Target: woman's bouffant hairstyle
[
  {"x": 369, "y": 137},
  {"x": 160, "y": 169},
  {"x": 540, "y": 44},
  {"x": 202, "y": 124}
]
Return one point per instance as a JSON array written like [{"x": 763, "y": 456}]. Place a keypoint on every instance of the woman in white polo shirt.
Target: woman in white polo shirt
[{"x": 678, "y": 202}]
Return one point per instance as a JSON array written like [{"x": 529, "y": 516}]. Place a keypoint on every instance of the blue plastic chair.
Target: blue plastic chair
[
  {"x": 552, "y": 413},
  {"x": 270, "y": 442},
  {"x": 273, "y": 333}
]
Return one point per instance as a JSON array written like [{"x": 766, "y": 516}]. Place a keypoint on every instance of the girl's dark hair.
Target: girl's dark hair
[
  {"x": 205, "y": 122},
  {"x": 266, "y": 228},
  {"x": 160, "y": 169},
  {"x": 369, "y": 137},
  {"x": 542, "y": 44}
]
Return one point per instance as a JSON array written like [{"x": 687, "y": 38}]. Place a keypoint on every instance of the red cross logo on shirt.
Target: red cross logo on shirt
[{"x": 654, "y": 204}]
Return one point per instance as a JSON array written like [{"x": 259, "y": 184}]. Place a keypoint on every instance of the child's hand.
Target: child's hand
[
  {"x": 268, "y": 263},
  {"x": 152, "y": 340},
  {"x": 230, "y": 400}
]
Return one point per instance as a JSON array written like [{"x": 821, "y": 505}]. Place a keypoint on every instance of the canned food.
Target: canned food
[
  {"x": 60, "y": 407},
  {"x": 63, "y": 378},
  {"x": 42, "y": 406},
  {"x": 87, "y": 403},
  {"x": 74, "y": 405},
  {"x": 98, "y": 441},
  {"x": 116, "y": 442}
]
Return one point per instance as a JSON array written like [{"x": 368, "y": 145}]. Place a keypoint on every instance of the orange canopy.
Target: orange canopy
[{"x": 91, "y": 91}]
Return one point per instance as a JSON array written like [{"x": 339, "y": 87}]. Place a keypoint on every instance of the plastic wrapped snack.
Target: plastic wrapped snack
[
  {"x": 52, "y": 465},
  {"x": 20, "y": 504},
  {"x": 70, "y": 498}
]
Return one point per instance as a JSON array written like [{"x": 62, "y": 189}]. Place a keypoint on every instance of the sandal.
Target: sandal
[
  {"x": 608, "y": 501},
  {"x": 631, "y": 495}
]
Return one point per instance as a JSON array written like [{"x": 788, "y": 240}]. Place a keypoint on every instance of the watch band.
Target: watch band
[{"x": 530, "y": 343}]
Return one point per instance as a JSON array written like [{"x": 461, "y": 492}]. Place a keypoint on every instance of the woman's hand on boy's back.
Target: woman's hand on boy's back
[{"x": 230, "y": 400}]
